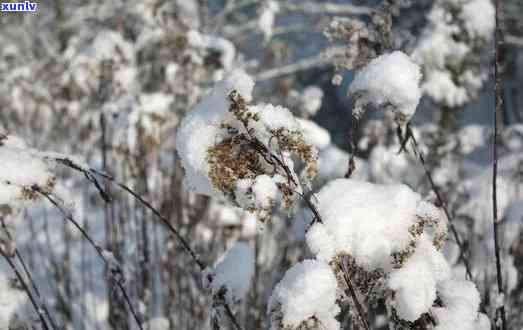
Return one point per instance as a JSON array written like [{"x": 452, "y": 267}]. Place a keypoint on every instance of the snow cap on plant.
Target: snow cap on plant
[
  {"x": 241, "y": 151},
  {"x": 384, "y": 230},
  {"x": 390, "y": 82}
]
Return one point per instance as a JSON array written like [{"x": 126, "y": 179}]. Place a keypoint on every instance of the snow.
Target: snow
[
  {"x": 12, "y": 303},
  {"x": 415, "y": 283},
  {"x": 226, "y": 273},
  {"x": 388, "y": 80},
  {"x": 311, "y": 98},
  {"x": 383, "y": 227},
  {"x": 267, "y": 18},
  {"x": 112, "y": 264},
  {"x": 511, "y": 223},
  {"x": 333, "y": 163},
  {"x": 439, "y": 86},
  {"x": 314, "y": 134},
  {"x": 386, "y": 165},
  {"x": 200, "y": 129},
  {"x": 479, "y": 18},
  {"x": 367, "y": 221},
  {"x": 157, "y": 323},
  {"x": 219, "y": 44},
  {"x": 156, "y": 103},
  {"x": 271, "y": 119},
  {"x": 20, "y": 171},
  {"x": 472, "y": 136},
  {"x": 152, "y": 112},
  {"x": 265, "y": 191},
  {"x": 448, "y": 47},
  {"x": 252, "y": 184},
  {"x": 307, "y": 290},
  {"x": 461, "y": 302}
]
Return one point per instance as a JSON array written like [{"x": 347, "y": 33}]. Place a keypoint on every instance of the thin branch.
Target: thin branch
[
  {"x": 20, "y": 278},
  {"x": 98, "y": 249},
  {"x": 308, "y": 63},
  {"x": 177, "y": 234},
  {"x": 148, "y": 205},
  {"x": 498, "y": 41},
  {"x": 352, "y": 293},
  {"x": 90, "y": 175},
  {"x": 417, "y": 151},
  {"x": 18, "y": 255},
  {"x": 327, "y": 8}
]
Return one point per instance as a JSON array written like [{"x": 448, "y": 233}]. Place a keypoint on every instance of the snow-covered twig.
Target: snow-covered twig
[{"x": 498, "y": 41}]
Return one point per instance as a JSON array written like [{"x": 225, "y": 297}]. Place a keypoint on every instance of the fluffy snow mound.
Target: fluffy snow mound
[
  {"x": 383, "y": 228},
  {"x": 461, "y": 303},
  {"x": 416, "y": 282},
  {"x": 307, "y": 291},
  {"x": 368, "y": 221},
  {"x": 390, "y": 80}
]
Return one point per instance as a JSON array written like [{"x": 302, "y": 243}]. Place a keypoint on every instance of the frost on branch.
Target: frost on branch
[
  {"x": 390, "y": 82},
  {"x": 230, "y": 278},
  {"x": 244, "y": 152},
  {"x": 305, "y": 298}
]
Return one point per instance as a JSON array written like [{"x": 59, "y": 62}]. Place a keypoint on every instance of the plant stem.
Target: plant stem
[{"x": 500, "y": 311}]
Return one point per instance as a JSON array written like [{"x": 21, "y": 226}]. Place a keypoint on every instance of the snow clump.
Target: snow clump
[
  {"x": 244, "y": 152},
  {"x": 390, "y": 81},
  {"x": 305, "y": 296}
]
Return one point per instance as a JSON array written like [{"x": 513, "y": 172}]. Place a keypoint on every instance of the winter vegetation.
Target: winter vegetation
[{"x": 262, "y": 164}]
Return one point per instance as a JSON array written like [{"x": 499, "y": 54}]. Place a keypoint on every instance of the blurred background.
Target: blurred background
[{"x": 109, "y": 81}]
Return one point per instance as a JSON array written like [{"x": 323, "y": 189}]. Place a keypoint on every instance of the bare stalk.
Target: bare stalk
[
  {"x": 20, "y": 278},
  {"x": 165, "y": 221},
  {"x": 112, "y": 272},
  {"x": 417, "y": 151},
  {"x": 30, "y": 278},
  {"x": 176, "y": 233},
  {"x": 352, "y": 293},
  {"x": 498, "y": 40}
]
